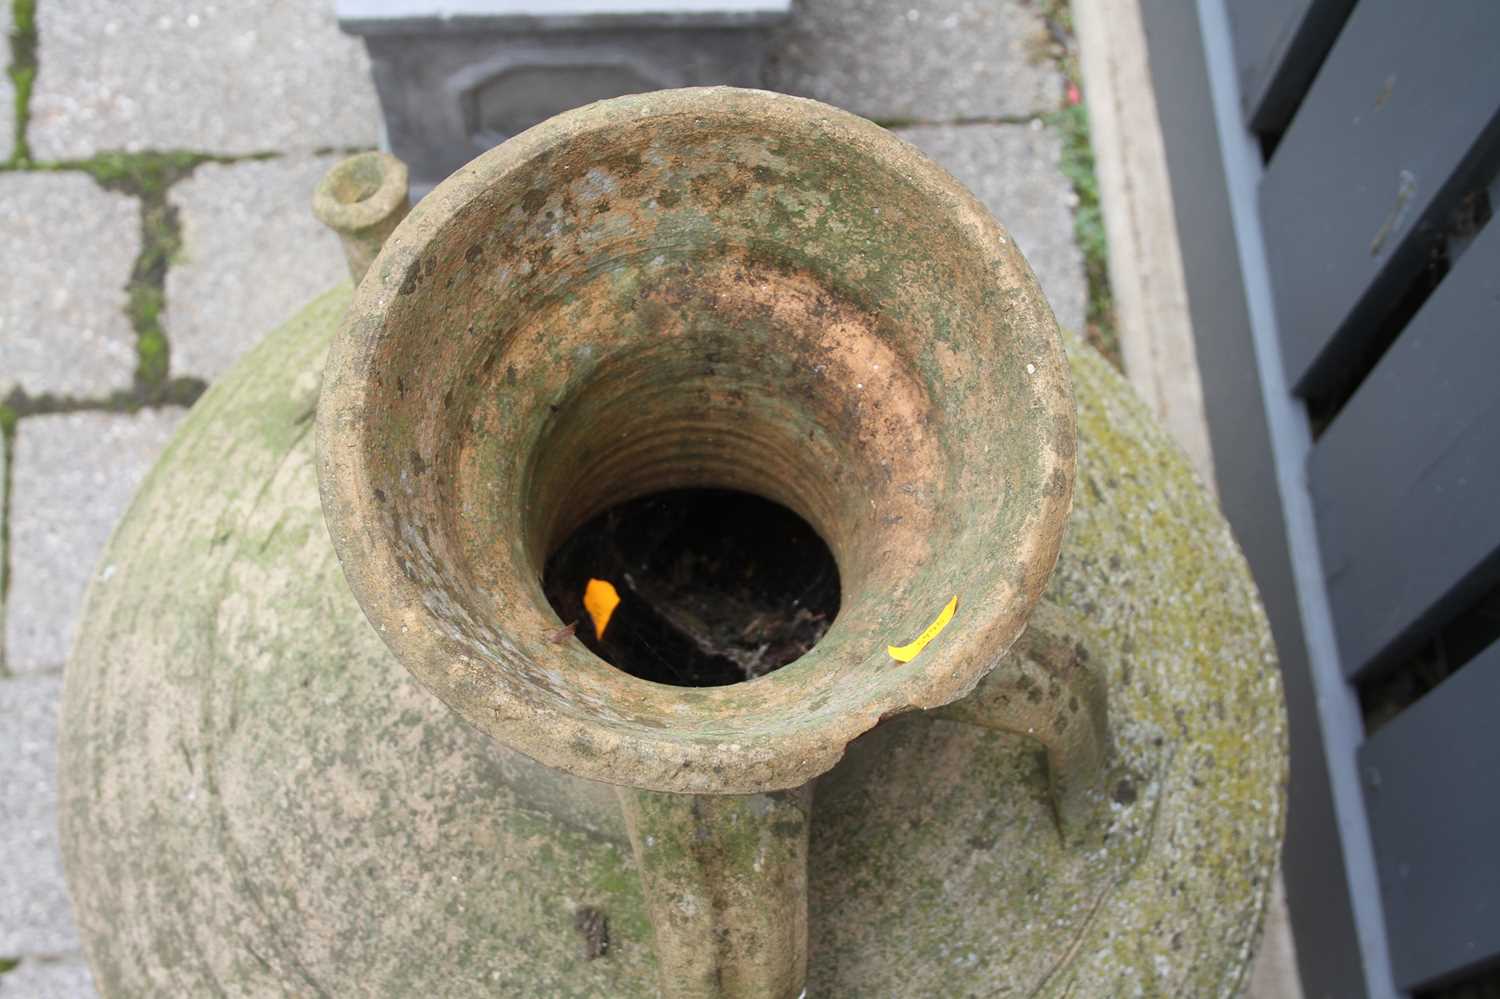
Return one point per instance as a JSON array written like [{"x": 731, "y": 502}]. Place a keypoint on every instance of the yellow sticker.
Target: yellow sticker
[
  {"x": 600, "y": 599},
  {"x": 906, "y": 653}
]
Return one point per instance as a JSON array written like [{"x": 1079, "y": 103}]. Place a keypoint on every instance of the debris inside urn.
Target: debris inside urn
[{"x": 715, "y": 586}]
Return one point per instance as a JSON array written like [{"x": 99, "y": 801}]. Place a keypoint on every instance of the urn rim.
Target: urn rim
[{"x": 767, "y": 734}]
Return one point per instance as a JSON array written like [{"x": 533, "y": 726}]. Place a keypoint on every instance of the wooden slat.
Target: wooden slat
[
  {"x": 1430, "y": 783},
  {"x": 1406, "y": 480},
  {"x": 1278, "y": 46},
  {"x": 1404, "y": 110}
]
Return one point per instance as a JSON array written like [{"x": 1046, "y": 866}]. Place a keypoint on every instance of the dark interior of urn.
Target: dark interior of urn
[{"x": 714, "y": 586}]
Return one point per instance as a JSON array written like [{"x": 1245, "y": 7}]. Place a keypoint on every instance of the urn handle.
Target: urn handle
[
  {"x": 725, "y": 876},
  {"x": 1050, "y": 687},
  {"x": 725, "y": 882}
]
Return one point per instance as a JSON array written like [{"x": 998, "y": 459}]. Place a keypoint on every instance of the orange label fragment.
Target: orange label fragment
[
  {"x": 906, "y": 653},
  {"x": 600, "y": 599}
]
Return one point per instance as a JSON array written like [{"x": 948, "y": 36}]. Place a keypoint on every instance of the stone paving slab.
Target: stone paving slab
[
  {"x": 67, "y": 978},
  {"x": 1014, "y": 170},
  {"x": 252, "y": 256},
  {"x": 72, "y": 477},
  {"x": 5, "y": 500},
  {"x": 4, "y": 555},
  {"x": 231, "y": 77},
  {"x": 935, "y": 60},
  {"x": 35, "y": 915},
  {"x": 69, "y": 246}
]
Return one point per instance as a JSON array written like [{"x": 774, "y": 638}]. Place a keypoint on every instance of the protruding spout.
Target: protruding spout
[
  {"x": 725, "y": 878},
  {"x": 363, "y": 199}
]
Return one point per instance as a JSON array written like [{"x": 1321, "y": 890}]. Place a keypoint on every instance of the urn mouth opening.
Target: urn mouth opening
[
  {"x": 702, "y": 289},
  {"x": 357, "y": 182}
]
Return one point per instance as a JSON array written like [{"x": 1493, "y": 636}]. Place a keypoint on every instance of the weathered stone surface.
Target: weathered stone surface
[
  {"x": 235, "y": 77},
  {"x": 35, "y": 917},
  {"x": 69, "y": 248},
  {"x": 1014, "y": 170},
  {"x": 440, "y": 863},
  {"x": 7, "y": 88},
  {"x": 73, "y": 475},
  {"x": 934, "y": 61},
  {"x": 253, "y": 254},
  {"x": 51, "y": 978}
]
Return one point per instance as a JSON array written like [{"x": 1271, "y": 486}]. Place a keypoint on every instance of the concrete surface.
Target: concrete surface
[
  {"x": 48, "y": 978},
  {"x": 72, "y": 476},
  {"x": 1014, "y": 171},
  {"x": 230, "y": 77},
  {"x": 35, "y": 916},
  {"x": 252, "y": 254},
  {"x": 69, "y": 246},
  {"x": 938, "y": 60}
]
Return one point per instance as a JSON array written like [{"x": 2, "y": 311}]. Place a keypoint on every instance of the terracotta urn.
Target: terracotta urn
[{"x": 326, "y": 732}]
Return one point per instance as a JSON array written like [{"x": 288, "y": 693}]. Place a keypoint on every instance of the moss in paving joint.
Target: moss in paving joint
[
  {"x": 343, "y": 150},
  {"x": 1088, "y": 229},
  {"x": 9, "y": 964},
  {"x": 19, "y": 405},
  {"x": 147, "y": 177},
  {"x": 22, "y": 70},
  {"x": 1078, "y": 166}
]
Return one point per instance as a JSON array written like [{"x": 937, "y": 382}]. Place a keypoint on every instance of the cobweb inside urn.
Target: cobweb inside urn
[{"x": 700, "y": 587}]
